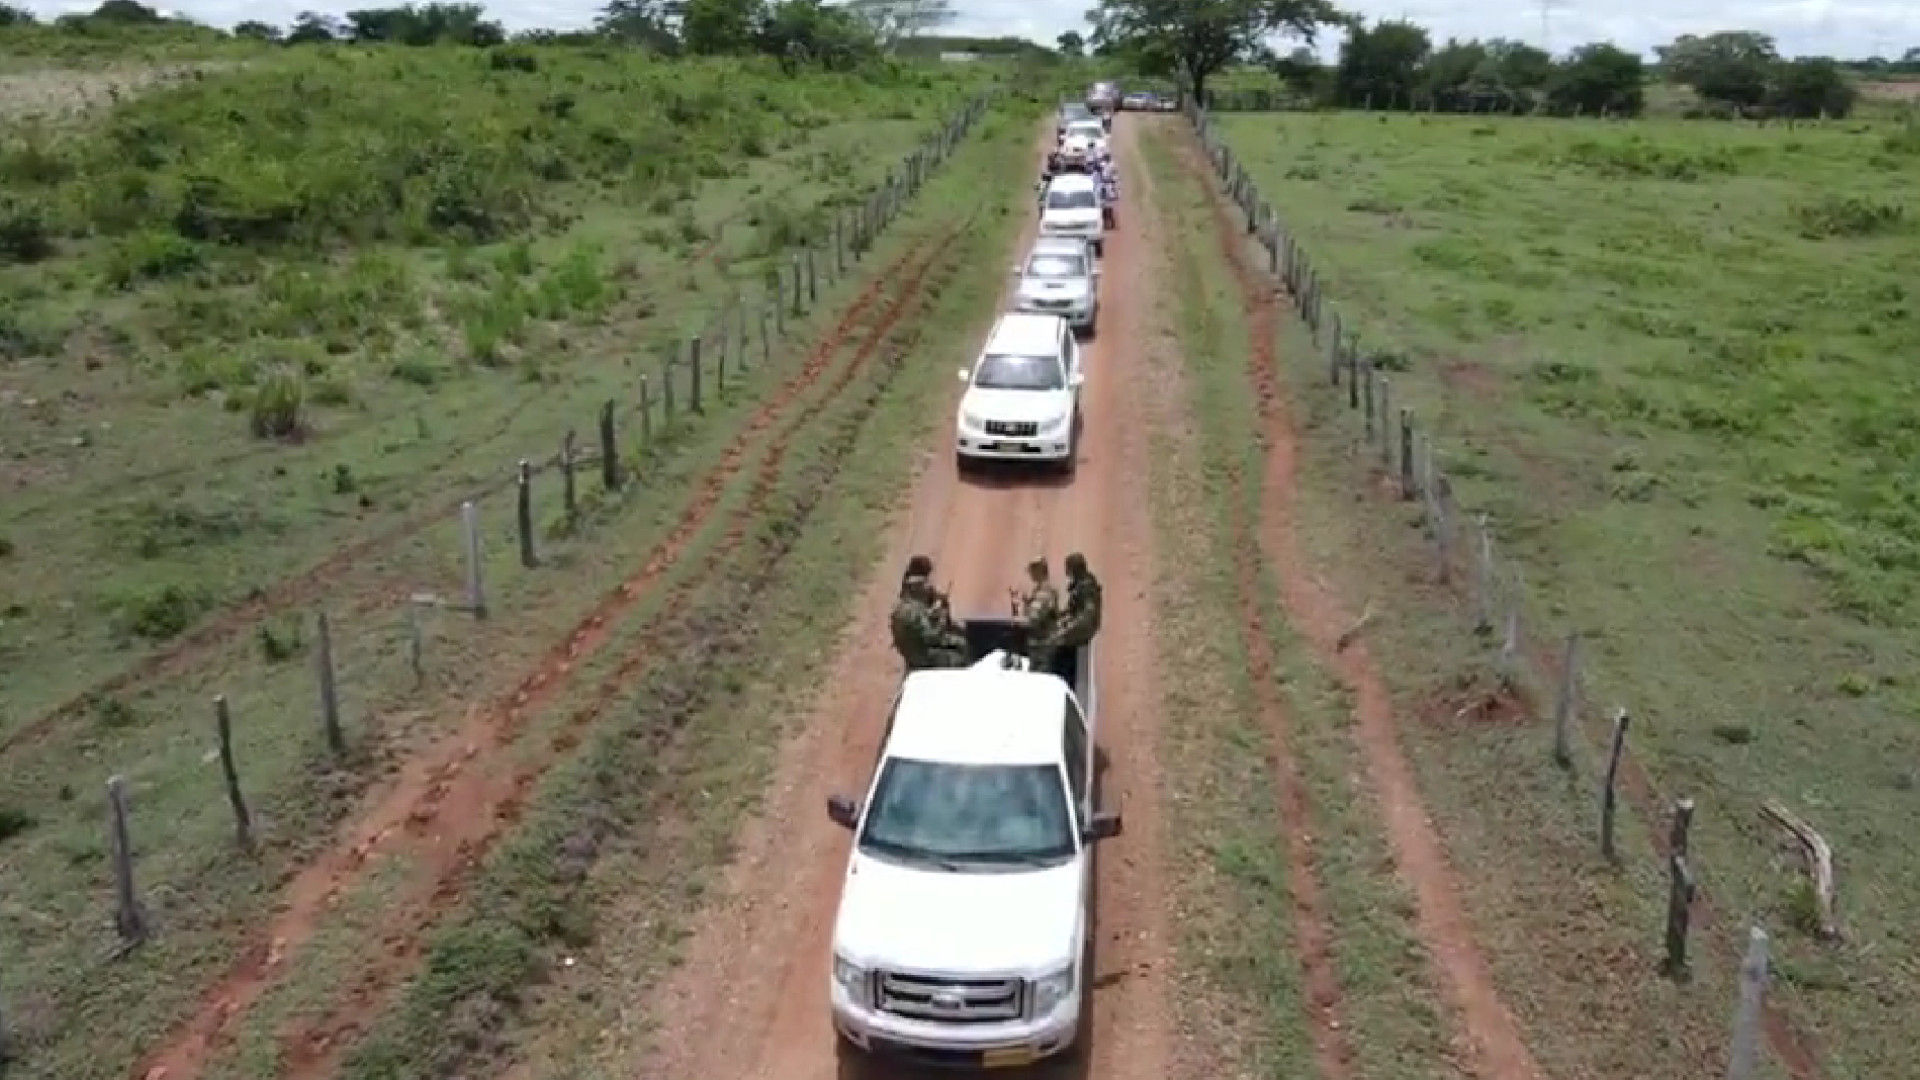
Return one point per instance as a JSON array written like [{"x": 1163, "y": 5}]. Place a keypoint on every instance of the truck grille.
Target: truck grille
[
  {"x": 1023, "y": 429},
  {"x": 949, "y": 1001}
]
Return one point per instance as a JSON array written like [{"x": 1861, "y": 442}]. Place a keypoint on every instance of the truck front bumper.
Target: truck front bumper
[{"x": 965, "y": 1046}]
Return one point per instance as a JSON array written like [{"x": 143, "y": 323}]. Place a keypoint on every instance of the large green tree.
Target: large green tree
[
  {"x": 1734, "y": 66},
  {"x": 1200, "y": 38}
]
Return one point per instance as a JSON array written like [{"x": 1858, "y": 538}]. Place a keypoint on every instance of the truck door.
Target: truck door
[{"x": 1078, "y": 752}]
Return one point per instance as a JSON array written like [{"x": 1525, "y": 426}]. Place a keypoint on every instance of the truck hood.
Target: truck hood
[
  {"x": 937, "y": 923},
  {"x": 1017, "y": 406}
]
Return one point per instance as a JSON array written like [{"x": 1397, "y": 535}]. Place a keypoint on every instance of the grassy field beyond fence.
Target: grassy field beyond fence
[{"x": 1671, "y": 363}]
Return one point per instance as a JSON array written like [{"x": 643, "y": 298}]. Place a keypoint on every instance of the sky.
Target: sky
[{"x": 1845, "y": 28}]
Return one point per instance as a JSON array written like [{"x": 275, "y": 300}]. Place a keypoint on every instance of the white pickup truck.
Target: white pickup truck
[{"x": 966, "y": 921}]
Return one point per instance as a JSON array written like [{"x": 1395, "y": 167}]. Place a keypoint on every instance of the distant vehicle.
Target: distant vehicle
[
  {"x": 1022, "y": 401},
  {"x": 1071, "y": 207},
  {"x": 1069, "y": 112},
  {"x": 1090, "y": 130},
  {"x": 966, "y": 917},
  {"x": 1167, "y": 103},
  {"x": 1103, "y": 96},
  {"x": 1138, "y": 101},
  {"x": 1061, "y": 282}
]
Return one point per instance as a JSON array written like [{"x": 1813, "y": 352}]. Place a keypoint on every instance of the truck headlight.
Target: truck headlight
[
  {"x": 852, "y": 978},
  {"x": 1050, "y": 990},
  {"x": 1054, "y": 425},
  {"x": 971, "y": 421}
]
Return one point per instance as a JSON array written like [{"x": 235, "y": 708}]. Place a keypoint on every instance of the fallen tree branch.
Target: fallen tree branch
[
  {"x": 1819, "y": 859},
  {"x": 1353, "y": 632}
]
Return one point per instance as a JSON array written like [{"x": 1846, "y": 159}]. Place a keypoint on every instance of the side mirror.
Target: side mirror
[
  {"x": 1104, "y": 826},
  {"x": 845, "y": 813},
  {"x": 964, "y": 374},
  {"x": 1077, "y": 379}
]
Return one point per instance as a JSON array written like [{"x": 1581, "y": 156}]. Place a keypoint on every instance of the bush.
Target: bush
[{"x": 278, "y": 407}]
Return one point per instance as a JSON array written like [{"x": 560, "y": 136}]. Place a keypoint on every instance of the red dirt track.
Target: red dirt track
[
  {"x": 450, "y": 802},
  {"x": 1499, "y": 1048},
  {"x": 766, "y": 940}
]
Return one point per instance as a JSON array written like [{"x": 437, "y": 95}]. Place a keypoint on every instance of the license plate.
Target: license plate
[
  {"x": 1010, "y": 1058},
  {"x": 992, "y": 446}
]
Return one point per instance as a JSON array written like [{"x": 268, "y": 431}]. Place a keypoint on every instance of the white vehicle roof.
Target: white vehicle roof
[
  {"x": 967, "y": 717},
  {"x": 1062, "y": 245},
  {"x": 1088, "y": 128},
  {"x": 1071, "y": 182},
  {"x": 1024, "y": 333}
]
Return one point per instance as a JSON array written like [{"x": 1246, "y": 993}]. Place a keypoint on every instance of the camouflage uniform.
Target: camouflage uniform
[
  {"x": 1040, "y": 612},
  {"x": 1081, "y": 619},
  {"x": 923, "y": 631}
]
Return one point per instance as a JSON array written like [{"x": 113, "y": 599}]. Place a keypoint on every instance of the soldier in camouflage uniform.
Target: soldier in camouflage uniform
[
  {"x": 1081, "y": 618},
  {"x": 923, "y": 631},
  {"x": 1039, "y": 613}
]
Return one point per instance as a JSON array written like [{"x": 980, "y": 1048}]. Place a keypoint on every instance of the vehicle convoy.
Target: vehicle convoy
[
  {"x": 966, "y": 919},
  {"x": 1069, "y": 112},
  {"x": 1058, "y": 280},
  {"x": 1022, "y": 401},
  {"x": 1091, "y": 133},
  {"x": 1071, "y": 207}
]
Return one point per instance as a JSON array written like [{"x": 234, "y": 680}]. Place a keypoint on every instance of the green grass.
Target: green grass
[
  {"x": 86, "y": 571},
  {"x": 1238, "y": 914},
  {"x": 1671, "y": 361}
]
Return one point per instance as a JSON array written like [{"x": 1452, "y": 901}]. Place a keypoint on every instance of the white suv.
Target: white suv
[
  {"x": 1071, "y": 207},
  {"x": 965, "y": 917},
  {"x": 1022, "y": 401},
  {"x": 1061, "y": 277}
]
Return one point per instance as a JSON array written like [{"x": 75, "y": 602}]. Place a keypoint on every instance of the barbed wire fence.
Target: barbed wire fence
[
  {"x": 1529, "y": 662},
  {"x": 740, "y": 338}
]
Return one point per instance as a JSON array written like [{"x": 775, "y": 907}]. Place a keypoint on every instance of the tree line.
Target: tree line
[
  {"x": 1394, "y": 63},
  {"x": 839, "y": 36}
]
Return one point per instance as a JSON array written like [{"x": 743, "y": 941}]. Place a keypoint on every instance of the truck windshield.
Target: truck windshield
[
  {"x": 1010, "y": 815},
  {"x": 1082, "y": 199},
  {"x": 998, "y": 372},
  {"x": 1056, "y": 266}
]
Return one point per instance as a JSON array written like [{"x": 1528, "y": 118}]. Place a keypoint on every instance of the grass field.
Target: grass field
[
  {"x": 257, "y": 314},
  {"x": 1670, "y": 360}
]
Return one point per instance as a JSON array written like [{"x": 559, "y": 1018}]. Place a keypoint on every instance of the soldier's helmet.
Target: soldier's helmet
[
  {"x": 919, "y": 566},
  {"x": 1077, "y": 564},
  {"x": 1038, "y": 568}
]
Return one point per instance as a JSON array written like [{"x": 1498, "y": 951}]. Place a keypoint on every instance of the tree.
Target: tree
[
  {"x": 1380, "y": 66},
  {"x": 1599, "y": 78},
  {"x": 1811, "y": 86},
  {"x": 893, "y": 21},
  {"x": 428, "y": 24},
  {"x": 126, "y": 12},
  {"x": 16, "y": 16},
  {"x": 1300, "y": 72},
  {"x": 1071, "y": 45},
  {"x": 1200, "y": 38},
  {"x": 653, "y": 24},
  {"x": 720, "y": 27},
  {"x": 257, "y": 31},
  {"x": 1733, "y": 66},
  {"x": 313, "y": 28},
  {"x": 810, "y": 32}
]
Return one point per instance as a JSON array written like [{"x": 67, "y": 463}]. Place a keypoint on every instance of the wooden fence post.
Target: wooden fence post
[
  {"x": 1681, "y": 887},
  {"x": 1743, "y": 1058},
  {"x": 609, "y": 452},
  {"x": 694, "y": 365},
  {"x": 476, "y": 589},
  {"x": 230, "y": 773},
  {"x": 329, "y": 689},
  {"x": 570, "y": 492},
  {"x": 1609, "y": 795},
  {"x": 646, "y": 415},
  {"x": 523, "y": 515},
  {"x": 1564, "y": 704},
  {"x": 129, "y": 916}
]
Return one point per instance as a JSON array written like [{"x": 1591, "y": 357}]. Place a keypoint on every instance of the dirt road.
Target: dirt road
[{"x": 760, "y": 957}]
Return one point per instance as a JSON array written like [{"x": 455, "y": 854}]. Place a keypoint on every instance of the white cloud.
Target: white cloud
[{"x": 1849, "y": 28}]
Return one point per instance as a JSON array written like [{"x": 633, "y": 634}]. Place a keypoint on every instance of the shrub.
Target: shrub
[{"x": 278, "y": 407}]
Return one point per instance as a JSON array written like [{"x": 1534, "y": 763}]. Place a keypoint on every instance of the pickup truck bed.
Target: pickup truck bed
[{"x": 984, "y": 635}]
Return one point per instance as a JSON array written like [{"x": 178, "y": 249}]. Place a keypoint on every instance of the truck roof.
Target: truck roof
[
  {"x": 970, "y": 717},
  {"x": 1025, "y": 333}
]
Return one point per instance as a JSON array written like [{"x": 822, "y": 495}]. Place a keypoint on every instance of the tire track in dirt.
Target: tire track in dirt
[
  {"x": 1312, "y": 927},
  {"x": 302, "y": 588},
  {"x": 1499, "y": 1050},
  {"x": 432, "y": 783},
  {"x": 316, "y": 1052},
  {"x": 761, "y": 956}
]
